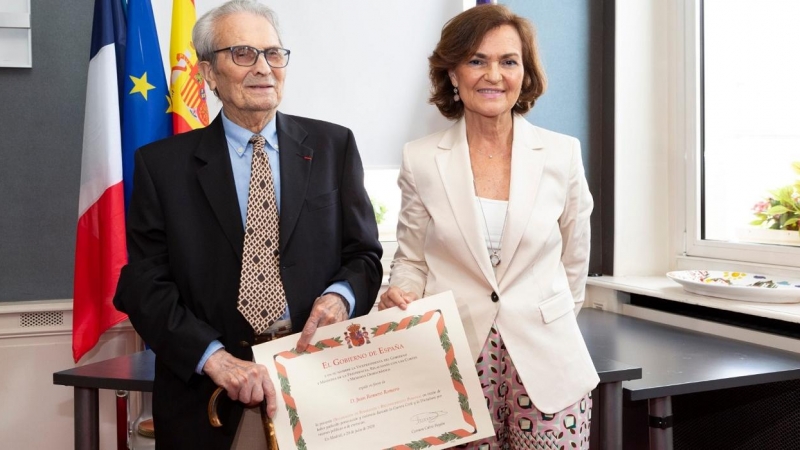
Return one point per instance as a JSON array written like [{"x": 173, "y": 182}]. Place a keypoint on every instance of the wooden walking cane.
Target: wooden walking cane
[{"x": 269, "y": 427}]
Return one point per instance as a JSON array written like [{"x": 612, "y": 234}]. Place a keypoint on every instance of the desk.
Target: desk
[
  {"x": 677, "y": 361},
  {"x": 129, "y": 373},
  {"x": 612, "y": 374},
  {"x": 135, "y": 373}
]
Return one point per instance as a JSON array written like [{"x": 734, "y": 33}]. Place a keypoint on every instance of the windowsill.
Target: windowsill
[{"x": 663, "y": 287}]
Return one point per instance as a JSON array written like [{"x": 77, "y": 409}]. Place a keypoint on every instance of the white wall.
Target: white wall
[
  {"x": 641, "y": 179},
  {"x": 359, "y": 63}
]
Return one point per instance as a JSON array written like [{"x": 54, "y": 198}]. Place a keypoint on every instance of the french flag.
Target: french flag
[{"x": 100, "y": 250}]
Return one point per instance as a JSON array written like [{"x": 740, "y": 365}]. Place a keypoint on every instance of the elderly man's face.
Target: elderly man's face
[{"x": 247, "y": 93}]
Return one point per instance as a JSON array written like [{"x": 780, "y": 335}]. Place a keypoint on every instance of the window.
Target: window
[
  {"x": 381, "y": 185},
  {"x": 742, "y": 128}
]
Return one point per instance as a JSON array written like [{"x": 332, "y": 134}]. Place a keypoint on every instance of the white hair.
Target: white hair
[{"x": 204, "y": 35}]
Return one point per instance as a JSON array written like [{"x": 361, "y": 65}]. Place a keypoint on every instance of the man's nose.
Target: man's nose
[{"x": 261, "y": 65}]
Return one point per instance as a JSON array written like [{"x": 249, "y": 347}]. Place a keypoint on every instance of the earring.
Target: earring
[{"x": 456, "y": 98}]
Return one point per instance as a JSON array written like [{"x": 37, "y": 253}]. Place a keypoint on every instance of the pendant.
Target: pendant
[{"x": 495, "y": 259}]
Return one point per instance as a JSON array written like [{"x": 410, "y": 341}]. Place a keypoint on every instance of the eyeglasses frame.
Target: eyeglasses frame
[{"x": 259, "y": 53}]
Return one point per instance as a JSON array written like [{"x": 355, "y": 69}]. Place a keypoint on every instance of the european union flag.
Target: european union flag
[{"x": 146, "y": 114}]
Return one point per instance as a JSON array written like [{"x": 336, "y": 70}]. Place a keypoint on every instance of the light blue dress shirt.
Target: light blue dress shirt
[{"x": 241, "y": 153}]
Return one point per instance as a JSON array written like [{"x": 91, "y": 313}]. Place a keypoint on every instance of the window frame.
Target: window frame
[{"x": 688, "y": 142}]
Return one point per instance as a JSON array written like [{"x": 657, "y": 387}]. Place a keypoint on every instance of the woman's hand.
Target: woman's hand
[{"x": 395, "y": 296}]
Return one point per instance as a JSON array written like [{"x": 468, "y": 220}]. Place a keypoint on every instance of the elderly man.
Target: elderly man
[{"x": 252, "y": 228}]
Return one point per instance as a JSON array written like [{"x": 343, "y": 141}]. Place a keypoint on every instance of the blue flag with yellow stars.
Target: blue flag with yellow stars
[{"x": 146, "y": 112}]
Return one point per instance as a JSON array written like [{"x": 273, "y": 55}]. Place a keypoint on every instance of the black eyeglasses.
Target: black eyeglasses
[{"x": 244, "y": 55}]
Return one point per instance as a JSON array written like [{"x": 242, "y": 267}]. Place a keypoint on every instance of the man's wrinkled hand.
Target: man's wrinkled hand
[
  {"x": 244, "y": 381},
  {"x": 327, "y": 310}
]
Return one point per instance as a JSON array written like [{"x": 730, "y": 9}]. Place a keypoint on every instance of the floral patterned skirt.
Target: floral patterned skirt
[{"x": 518, "y": 424}]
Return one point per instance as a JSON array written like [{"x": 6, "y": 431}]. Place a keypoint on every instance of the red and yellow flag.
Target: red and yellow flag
[{"x": 187, "y": 87}]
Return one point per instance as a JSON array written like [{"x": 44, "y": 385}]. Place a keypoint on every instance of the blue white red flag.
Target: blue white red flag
[{"x": 100, "y": 250}]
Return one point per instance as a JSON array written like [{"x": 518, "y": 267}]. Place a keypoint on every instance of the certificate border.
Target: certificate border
[{"x": 380, "y": 330}]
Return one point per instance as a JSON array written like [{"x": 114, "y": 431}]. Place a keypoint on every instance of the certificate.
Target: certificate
[{"x": 393, "y": 379}]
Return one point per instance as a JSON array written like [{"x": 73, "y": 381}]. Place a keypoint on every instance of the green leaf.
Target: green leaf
[
  {"x": 796, "y": 167},
  {"x": 758, "y": 221},
  {"x": 784, "y": 195},
  {"x": 417, "y": 445},
  {"x": 293, "y": 417},
  {"x": 413, "y": 322},
  {"x": 445, "y": 340},
  {"x": 285, "y": 387},
  {"x": 779, "y": 209},
  {"x": 380, "y": 210},
  {"x": 791, "y": 221},
  {"x": 463, "y": 401},
  {"x": 447, "y": 437}
]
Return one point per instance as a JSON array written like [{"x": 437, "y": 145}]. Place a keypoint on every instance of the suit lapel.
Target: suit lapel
[
  {"x": 295, "y": 159},
  {"x": 216, "y": 180},
  {"x": 456, "y": 173},
  {"x": 527, "y": 164}
]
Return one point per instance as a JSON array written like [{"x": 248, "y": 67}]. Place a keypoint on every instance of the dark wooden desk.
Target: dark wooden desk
[
  {"x": 612, "y": 374},
  {"x": 677, "y": 361},
  {"x": 129, "y": 373},
  {"x": 135, "y": 373}
]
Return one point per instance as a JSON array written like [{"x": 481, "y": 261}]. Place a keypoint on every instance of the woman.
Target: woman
[{"x": 497, "y": 210}]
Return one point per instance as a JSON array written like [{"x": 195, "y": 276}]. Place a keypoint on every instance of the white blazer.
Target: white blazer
[{"x": 539, "y": 286}]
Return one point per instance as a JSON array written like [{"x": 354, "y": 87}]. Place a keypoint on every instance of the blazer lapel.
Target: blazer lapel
[
  {"x": 456, "y": 173},
  {"x": 216, "y": 180},
  {"x": 295, "y": 161},
  {"x": 527, "y": 164}
]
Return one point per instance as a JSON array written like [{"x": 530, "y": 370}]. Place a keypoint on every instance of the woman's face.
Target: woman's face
[{"x": 489, "y": 82}]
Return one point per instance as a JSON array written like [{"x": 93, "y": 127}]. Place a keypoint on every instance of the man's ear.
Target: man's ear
[{"x": 208, "y": 74}]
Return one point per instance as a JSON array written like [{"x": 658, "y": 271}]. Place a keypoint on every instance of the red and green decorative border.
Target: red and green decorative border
[{"x": 404, "y": 324}]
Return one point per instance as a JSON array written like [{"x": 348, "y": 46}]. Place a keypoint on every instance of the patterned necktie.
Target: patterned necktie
[{"x": 262, "y": 299}]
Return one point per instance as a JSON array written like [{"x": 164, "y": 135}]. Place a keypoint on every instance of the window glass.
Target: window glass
[
  {"x": 381, "y": 185},
  {"x": 750, "y": 121}
]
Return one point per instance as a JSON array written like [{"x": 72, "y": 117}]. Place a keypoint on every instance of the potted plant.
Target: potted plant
[{"x": 779, "y": 212}]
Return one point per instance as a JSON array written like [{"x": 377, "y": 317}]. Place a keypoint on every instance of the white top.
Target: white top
[{"x": 495, "y": 219}]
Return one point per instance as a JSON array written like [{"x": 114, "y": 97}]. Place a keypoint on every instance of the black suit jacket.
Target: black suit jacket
[{"x": 185, "y": 238}]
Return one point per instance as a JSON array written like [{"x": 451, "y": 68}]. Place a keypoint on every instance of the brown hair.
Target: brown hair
[{"x": 461, "y": 37}]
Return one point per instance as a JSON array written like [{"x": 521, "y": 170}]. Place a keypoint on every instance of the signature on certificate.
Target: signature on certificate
[{"x": 427, "y": 417}]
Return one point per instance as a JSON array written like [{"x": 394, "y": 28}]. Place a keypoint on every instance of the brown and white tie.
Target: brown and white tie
[{"x": 262, "y": 299}]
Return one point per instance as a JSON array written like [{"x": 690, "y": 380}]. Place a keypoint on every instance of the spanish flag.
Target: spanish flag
[{"x": 187, "y": 87}]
